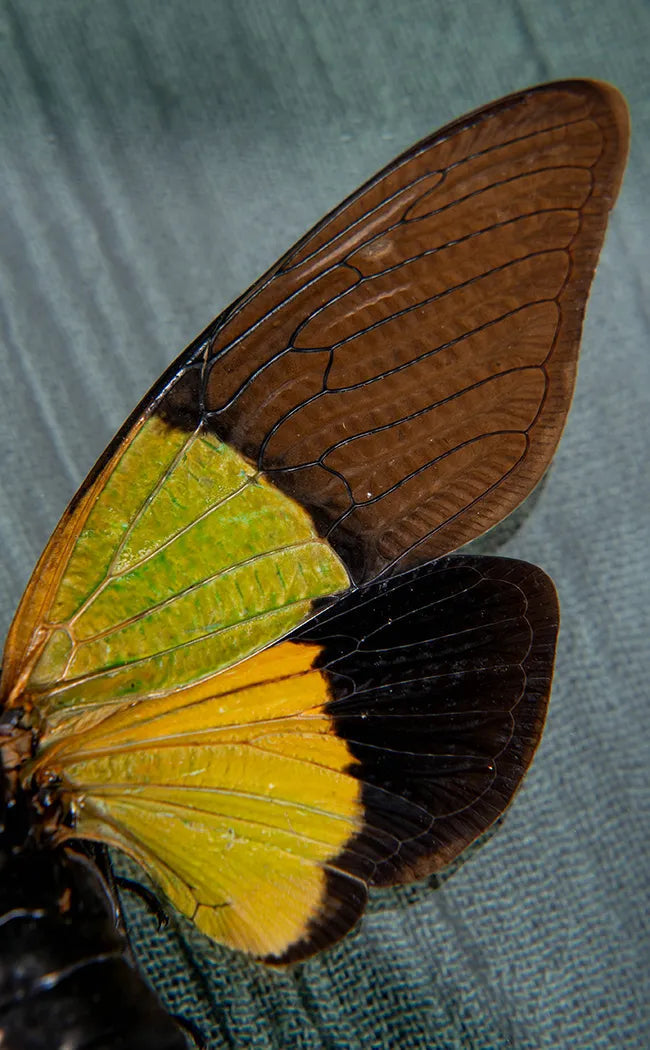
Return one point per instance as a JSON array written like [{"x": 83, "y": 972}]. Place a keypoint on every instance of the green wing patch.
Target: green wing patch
[{"x": 188, "y": 562}]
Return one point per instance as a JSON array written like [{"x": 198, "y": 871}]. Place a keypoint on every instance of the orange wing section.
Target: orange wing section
[{"x": 231, "y": 794}]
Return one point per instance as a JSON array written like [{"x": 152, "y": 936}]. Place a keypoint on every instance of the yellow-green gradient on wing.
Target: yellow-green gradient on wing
[
  {"x": 187, "y": 561},
  {"x": 367, "y": 749},
  {"x": 394, "y": 386},
  {"x": 232, "y": 794}
]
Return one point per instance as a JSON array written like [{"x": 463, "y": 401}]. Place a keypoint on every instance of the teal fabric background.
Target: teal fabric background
[{"x": 155, "y": 158}]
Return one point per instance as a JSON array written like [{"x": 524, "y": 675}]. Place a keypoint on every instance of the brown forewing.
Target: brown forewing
[{"x": 406, "y": 370}]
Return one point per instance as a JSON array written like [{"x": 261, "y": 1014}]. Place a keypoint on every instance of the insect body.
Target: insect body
[{"x": 246, "y": 657}]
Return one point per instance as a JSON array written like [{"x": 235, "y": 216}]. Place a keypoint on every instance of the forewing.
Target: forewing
[
  {"x": 395, "y": 385},
  {"x": 405, "y": 372},
  {"x": 367, "y": 749}
]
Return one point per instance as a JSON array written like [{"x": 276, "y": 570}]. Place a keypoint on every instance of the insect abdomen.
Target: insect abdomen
[{"x": 65, "y": 981}]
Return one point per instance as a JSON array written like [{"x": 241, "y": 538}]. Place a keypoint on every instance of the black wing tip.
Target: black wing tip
[{"x": 440, "y": 680}]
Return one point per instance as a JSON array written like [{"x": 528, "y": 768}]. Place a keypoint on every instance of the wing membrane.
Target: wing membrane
[
  {"x": 370, "y": 748},
  {"x": 406, "y": 371},
  {"x": 403, "y": 374},
  {"x": 392, "y": 388},
  {"x": 185, "y": 562}
]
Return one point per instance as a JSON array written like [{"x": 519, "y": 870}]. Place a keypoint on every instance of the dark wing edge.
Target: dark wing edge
[
  {"x": 440, "y": 680},
  {"x": 611, "y": 98}
]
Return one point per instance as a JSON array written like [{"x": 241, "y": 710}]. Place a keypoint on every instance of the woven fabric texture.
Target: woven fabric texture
[{"x": 156, "y": 157}]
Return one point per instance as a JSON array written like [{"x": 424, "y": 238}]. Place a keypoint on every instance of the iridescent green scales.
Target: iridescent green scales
[{"x": 189, "y": 561}]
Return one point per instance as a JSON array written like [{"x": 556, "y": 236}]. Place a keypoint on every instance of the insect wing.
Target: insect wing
[{"x": 393, "y": 387}]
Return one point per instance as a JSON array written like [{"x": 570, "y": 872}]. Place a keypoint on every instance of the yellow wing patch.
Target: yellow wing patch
[{"x": 233, "y": 794}]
